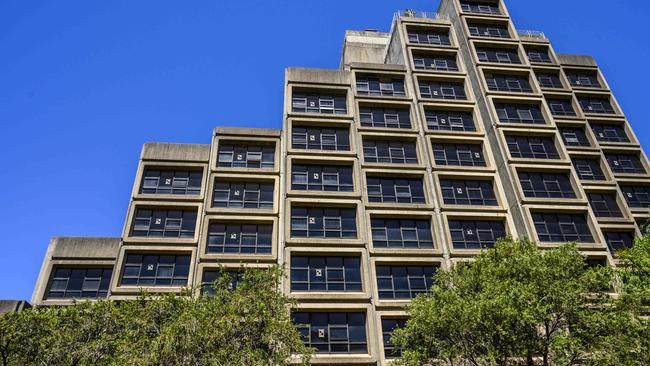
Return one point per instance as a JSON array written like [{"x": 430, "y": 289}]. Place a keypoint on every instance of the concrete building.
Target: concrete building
[{"x": 427, "y": 144}]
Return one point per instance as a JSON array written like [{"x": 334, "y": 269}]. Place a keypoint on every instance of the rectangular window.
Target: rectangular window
[
  {"x": 442, "y": 90},
  {"x": 498, "y": 55},
  {"x": 636, "y": 196},
  {"x": 561, "y": 107},
  {"x": 553, "y": 227},
  {"x": 549, "y": 80},
  {"x": 317, "y": 103},
  {"x": 618, "y": 240},
  {"x": 449, "y": 120},
  {"x": 398, "y": 233},
  {"x": 458, "y": 154},
  {"x": 319, "y": 222},
  {"x": 609, "y": 132},
  {"x": 156, "y": 270},
  {"x": 333, "y": 332},
  {"x": 380, "y": 86},
  {"x": 246, "y": 156},
  {"x": 532, "y": 147},
  {"x": 488, "y": 30},
  {"x": 468, "y": 192},
  {"x": 171, "y": 181},
  {"x": 625, "y": 163},
  {"x": 314, "y": 138},
  {"x": 385, "y": 117},
  {"x": 242, "y": 195},
  {"x": 546, "y": 185},
  {"x": 388, "y": 326},
  {"x": 583, "y": 79},
  {"x": 389, "y": 151},
  {"x": 79, "y": 283},
  {"x": 519, "y": 113},
  {"x": 229, "y": 238},
  {"x": 428, "y": 36},
  {"x": 479, "y": 7},
  {"x": 434, "y": 62},
  {"x": 317, "y": 273},
  {"x": 162, "y": 223},
  {"x": 588, "y": 168},
  {"x": 596, "y": 105},
  {"x": 475, "y": 234},
  {"x": 508, "y": 83},
  {"x": 402, "y": 190},
  {"x": 604, "y": 205},
  {"x": 327, "y": 178},
  {"x": 539, "y": 55},
  {"x": 210, "y": 278},
  {"x": 403, "y": 282},
  {"x": 574, "y": 136}
]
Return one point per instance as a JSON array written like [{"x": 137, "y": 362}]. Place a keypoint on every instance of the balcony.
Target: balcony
[
  {"x": 410, "y": 13},
  {"x": 532, "y": 35}
]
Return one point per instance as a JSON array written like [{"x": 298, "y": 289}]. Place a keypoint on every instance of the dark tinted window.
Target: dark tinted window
[
  {"x": 333, "y": 332},
  {"x": 449, "y": 120},
  {"x": 398, "y": 233},
  {"x": 387, "y": 328},
  {"x": 479, "y": 7},
  {"x": 473, "y": 234},
  {"x": 561, "y": 107},
  {"x": 546, "y": 185},
  {"x": 313, "y": 138},
  {"x": 458, "y": 154},
  {"x": 156, "y": 270},
  {"x": 636, "y": 196},
  {"x": 468, "y": 192},
  {"x": 380, "y": 86},
  {"x": 532, "y": 147},
  {"x": 325, "y": 273},
  {"x": 596, "y": 105},
  {"x": 508, "y": 83},
  {"x": 319, "y": 222},
  {"x": 403, "y": 282},
  {"x": 583, "y": 79},
  {"x": 609, "y": 132},
  {"x": 588, "y": 168},
  {"x": 498, "y": 55},
  {"x": 385, "y": 117},
  {"x": 230, "y": 238},
  {"x": 574, "y": 136},
  {"x": 167, "y": 181},
  {"x": 617, "y": 240},
  {"x": 538, "y": 55},
  {"x": 604, "y": 205},
  {"x": 317, "y": 103},
  {"x": 519, "y": 113},
  {"x": 425, "y": 61},
  {"x": 329, "y": 178},
  {"x": 442, "y": 90},
  {"x": 242, "y": 195},
  {"x": 428, "y": 36},
  {"x": 246, "y": 156},
  {"x": 625, "y": 163},
  {"x": 210, "y": 278},
  {"x": 549, "y": 80},
  {"x": 552, "y": 227},
  {"x": 73, "y": 283},
  {"x": 387, "y": 151},
  {"x": 488, "y": 30},
  {"x": 395, "y": 190},
  {"x": 161, "y": 223}
]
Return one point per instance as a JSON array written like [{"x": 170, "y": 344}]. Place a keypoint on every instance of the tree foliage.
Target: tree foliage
[
  {"x": 520, "y": 305},
  {"x": 247, "y": 325}
]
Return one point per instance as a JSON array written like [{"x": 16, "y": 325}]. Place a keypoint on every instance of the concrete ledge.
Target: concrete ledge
[
  {"x": 175, "y": 152},
  {"x": 576, "y": 60},
  {"x": 379, "y": 67},
  {"x": 317, "y": 76},
  {"x": 11, "y": 306},
  {"x": 245, "y": 131},
  {"x": 83, "y": 247}
]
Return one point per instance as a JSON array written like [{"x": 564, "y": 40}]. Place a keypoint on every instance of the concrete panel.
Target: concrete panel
[
  {"x": 576, "y": 60},
  {"x": 84, "y": 247},
  {"x": 175, "y": 152},
  {"x": 317, "y": 76}
]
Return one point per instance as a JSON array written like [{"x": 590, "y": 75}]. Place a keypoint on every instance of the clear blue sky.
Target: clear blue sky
[{"x": 83, "y": 84}]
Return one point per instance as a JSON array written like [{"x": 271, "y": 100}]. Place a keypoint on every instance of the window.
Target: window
[
  {"x": 242, "y": 195},
  {"x": 210, "y": 278},
  {"x": 333, "y": 332},
  {"x": 388, "y": 326},
  {"x": 508, "y": 83},
  {"x": 617, "y": 240},
  {"x": 442, "y": 90},
  {"x": 574, "y": 136},
  {"x": 609, "y": 132},
  {"x": 488, "y": 30},
  {"x": 314, "y": 138},
  {"x": 583, "y": 79},
  {"x": 403, "y": 282},
  {"x": 156, "y": 270},
  {"x": 246, "y": 156},
  {"x": 389, "y": 151},
  {"x": 380, "y": 86},
  {"x": 546, "y": 185},
  {"x": 325, "y": 273},
  {"x": 519, "y": 113},
  {"x": 553, "y": 227},
  {"x": 328, "y": 178},
  {"x": 549, "y": 80},
  {"x": 319, "y": 222},
  {"x": 79, "y": 283},
  {"x": 636, "y": 196},
  {"x": 561, "y": 107},
  {"x": 458, "y": 154},
  {"x": 428, "y": 36},
  {"x": 475, "y": 234},
  {"x": 479, "y": 7},
  {"x": 498, "y": 55},
  {"x": 532, "y": 147},
  {"x": 468, "y": 192},
  {"x": 229, "y": 238},
  {"x": 401, "y": 233},
  {"x": 625, "y": 163},
  {"x": 449, "y": 121},
  {"x": 395, "y": 190},
  {"x": 434, "y": 62},
  {"x": 168, "y": 181},
  {"x": 604, "y": 205},
  {"x": 385, "y": 117},
  {"x": 162, "y": 223},
  {"x": 317, "y": 103},
  {"x": 538, "y": 55},
  {"x": 596, "y": 105},
  {"x": 588, "y": 168}
]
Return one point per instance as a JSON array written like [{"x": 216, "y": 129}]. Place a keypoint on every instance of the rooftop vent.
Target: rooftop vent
[{"x": 371, "y": 30}]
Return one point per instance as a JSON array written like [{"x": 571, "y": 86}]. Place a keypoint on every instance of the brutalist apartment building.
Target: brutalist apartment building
[{"x": 427, "y": 144}]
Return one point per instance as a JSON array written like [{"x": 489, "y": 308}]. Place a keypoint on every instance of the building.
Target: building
[{"x": 423, "y": 147}]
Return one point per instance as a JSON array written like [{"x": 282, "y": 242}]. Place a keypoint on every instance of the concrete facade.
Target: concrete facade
[{"x": 425, "y": 144}]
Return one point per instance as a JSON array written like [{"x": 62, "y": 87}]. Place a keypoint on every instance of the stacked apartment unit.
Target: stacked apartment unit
[{"x": 425, "y": 146}]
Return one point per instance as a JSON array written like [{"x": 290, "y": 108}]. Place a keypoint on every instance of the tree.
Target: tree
[
  {"x": 518, "y": 305},
  {"x": 246, "y": 325}
]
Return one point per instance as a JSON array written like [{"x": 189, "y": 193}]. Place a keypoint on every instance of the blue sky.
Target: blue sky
[{"x": 83, "y": 84}]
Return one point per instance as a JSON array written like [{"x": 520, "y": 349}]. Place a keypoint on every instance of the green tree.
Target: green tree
[
  {"x": 247, "y": 325},
  {"x": 518, "y": 305}
]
